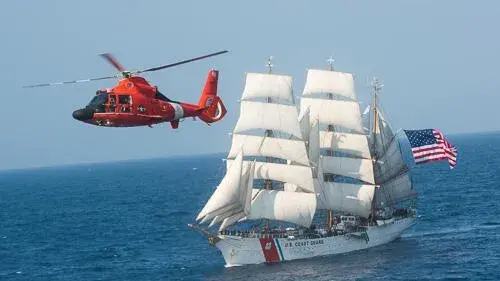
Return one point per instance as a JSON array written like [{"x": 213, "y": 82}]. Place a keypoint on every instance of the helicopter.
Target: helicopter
[{"x": 134, "y": 102}]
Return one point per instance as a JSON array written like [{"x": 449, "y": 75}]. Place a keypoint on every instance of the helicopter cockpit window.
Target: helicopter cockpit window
[{"x": 99, "y": 99}]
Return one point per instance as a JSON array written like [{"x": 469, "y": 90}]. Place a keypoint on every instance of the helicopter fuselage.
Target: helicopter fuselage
[{"x": 134, "y": 102}]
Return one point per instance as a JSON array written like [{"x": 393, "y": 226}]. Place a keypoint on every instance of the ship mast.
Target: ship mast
[
  {"x": 376, "y": 87},
  {"x": 330, "y": 126},
  {"x": 268, "y": 184},
  {"x": 329, "y": 216}
]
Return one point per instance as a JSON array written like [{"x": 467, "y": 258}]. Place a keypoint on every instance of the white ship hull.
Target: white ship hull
[{"x": 241, "y": 251}]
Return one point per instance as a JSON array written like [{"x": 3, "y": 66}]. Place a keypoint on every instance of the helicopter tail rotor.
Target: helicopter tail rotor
[{"x": 212, "y": 108}]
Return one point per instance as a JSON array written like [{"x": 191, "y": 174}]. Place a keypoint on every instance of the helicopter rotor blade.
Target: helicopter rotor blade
[
  {"x": 113, "y": 61},
  {"x": 69, "y": 82},
  {"x": 181, "y": 62}
]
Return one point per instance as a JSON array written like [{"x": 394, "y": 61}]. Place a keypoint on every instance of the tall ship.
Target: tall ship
[{"x": 311, "y": 179}]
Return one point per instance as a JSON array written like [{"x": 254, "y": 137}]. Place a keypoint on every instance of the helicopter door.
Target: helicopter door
[
  {"x": 124, "y": 103},
  {"x": 111, "y": 106}
]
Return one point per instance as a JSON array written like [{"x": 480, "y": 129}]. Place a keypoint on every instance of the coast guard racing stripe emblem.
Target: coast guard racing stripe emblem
[
  {"x": 269, "y": 250},
  {"x": 178, "y": 110}
]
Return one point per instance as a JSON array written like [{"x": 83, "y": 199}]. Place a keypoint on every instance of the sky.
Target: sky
[{"x": 438, "y": 61}]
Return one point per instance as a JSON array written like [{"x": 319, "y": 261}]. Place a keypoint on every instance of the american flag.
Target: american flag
[{"x": 430, "y": 145}]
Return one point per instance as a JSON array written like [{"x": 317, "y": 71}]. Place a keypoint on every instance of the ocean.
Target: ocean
[{"x": 128, "y": 221}]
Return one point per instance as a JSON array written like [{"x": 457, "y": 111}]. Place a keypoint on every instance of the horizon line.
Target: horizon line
[{"x": 168, "y": 157}]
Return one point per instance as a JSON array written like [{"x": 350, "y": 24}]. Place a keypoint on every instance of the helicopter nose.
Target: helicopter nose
[{"x": 83, "y": 114}]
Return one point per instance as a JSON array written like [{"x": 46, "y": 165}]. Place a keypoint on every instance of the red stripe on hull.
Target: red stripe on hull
[{"x": 269, "y": 249}]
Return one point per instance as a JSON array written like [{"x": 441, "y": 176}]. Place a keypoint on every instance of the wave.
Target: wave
[
  {"x": 178, "y": 213},
  {"x": 445, "y": 231},
  {"x": 492, "y": 223}
]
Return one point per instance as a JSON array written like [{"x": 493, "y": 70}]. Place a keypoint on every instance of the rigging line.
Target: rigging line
[{"x": 261, "y": 143}]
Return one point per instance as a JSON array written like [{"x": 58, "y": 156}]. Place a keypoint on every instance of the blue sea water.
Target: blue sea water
[{"x": 128, "y": 221}]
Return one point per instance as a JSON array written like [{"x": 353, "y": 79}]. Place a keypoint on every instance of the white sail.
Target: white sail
[
  {"x": 227, "y": 193},
  {"x": 233, "y": 196},
  {"x": 355, "y": 199},
  {"x": 383, "y": 135},
  {"x": 221, "y": 212},
  {"x": 268, "y": 116},
  {"x": 397, "y": 189},
  {"x": 329, "y": 82},
  {"x": 305, "y": 124},
  {"x": 390, "y": 163},
  {"x": 290, "y": 187},
  {"x": 353, "y": 144},
  {"x": 215, "y": 221},
  {"x": 294, "y": 150},
  {"x": 246, "y": 196},
  {"x": 365, "y": 118},
  {"x": 286, "y": 173},
  {"x": 314, "y": 141},
  {"x": 231, "y": 220},
  {"x": 294, "y": 207},
  {"x": 264, "y": 85},
  {"x": 233, "y": 216},
  {"x": 335, "y": 112},
  {"x": 366, "y": 111},
  {"x": 243, "y": 203},
  {"x": 357, "y": 168}
]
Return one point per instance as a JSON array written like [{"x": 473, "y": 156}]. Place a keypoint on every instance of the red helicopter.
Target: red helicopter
[{"x": 134, "y": 102}]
